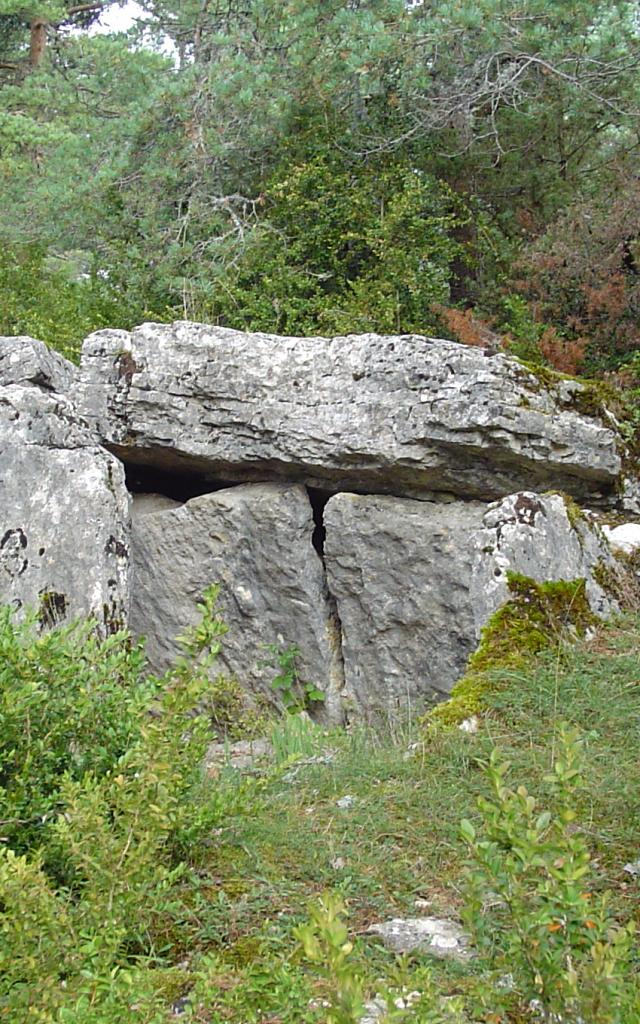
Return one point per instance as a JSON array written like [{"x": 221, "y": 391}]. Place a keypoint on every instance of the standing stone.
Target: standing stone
[
  {"x": 400, "y": 571},
  {"x": 545, "y": 537},
  {"x": 256, "y": 541},
  {"x": 415, "y": 582},
  {"x": 403, "y": 415},
  {"x": 64, "y": 508}
]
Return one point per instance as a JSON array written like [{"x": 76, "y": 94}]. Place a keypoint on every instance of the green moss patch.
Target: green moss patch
[
  {"x": 596, "y": 399},
  {"x": 537, "y": 616}
]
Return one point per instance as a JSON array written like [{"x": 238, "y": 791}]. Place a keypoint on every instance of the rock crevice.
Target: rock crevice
[{"x": 256, "y": 541}]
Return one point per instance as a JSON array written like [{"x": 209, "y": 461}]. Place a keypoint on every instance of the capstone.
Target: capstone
[{"x": 405, "y": 415}]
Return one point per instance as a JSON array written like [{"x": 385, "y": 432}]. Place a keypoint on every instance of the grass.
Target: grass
[{"x": 399, "y": 839}]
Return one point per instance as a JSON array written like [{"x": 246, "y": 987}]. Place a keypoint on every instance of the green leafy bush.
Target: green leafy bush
[
  {"x": 70, "y": 704},
  {"x": 325, "y": 941},
  {"x": 551, "y": 941},
  {"x": 96, "y": 834},
  {"x": 58, "y": 301},
  {"x": 341, "y": 248}
]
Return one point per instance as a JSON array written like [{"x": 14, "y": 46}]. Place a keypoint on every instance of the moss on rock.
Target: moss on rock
[
  {"x": 597, "y": 399},
  {"x": 537, "y": 616}
]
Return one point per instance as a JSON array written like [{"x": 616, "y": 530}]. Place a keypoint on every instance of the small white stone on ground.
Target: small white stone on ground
[
  {"x": 345, "y": 802},
  {"x": 438, "y": 936},
  {"x": 625, "y": 538},
  {"x": 470, "y": 725}
]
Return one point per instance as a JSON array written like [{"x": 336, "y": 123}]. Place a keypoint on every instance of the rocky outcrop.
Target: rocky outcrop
[
  {"x": 64, "y": 508},
  {"x": 624, "y": 538},
  {"x": 405, "y": 415},
  {"x": 400, "y": 572},
  {"x": 256, "y": 541},
  {"x": 544, "y": 537},
  {"x": 436, "y": 936}
]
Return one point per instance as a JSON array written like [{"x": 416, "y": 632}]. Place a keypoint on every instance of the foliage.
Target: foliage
[
  {"x": 530, "y": 903},
  {"x": 296, "y": 694},
  {"x": 233, "y": 715},
  {"x": 345, "y": 248},
  {"x": 150, "y": 887},
  {"x": 70, "y": 705},
  {"x": 583, "y": 275},
  {"x": 549, "y": 949},
  {"x": 295, "y": 736},
  {"x": 325, "y": 941},
  {"x": 321, "y": 167},
  {"x": 58, "y": 304},
  {"x": 83, "y": 904}
]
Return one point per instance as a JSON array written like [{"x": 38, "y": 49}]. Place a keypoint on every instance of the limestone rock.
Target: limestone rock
[
  {"x": 377, "y": 1010},
  {"x": 624, "y": 538},
  {"x": 438, "y": 936},
  {"x": 629, "y": 494},
  {"x": 401, "y": 415},
  {"x": 414, "y": 583},
  {"x": 255, "y": 540},
  {"x": 400, "y": 572},
  {"x": 26, "y": 361},
  {"x": 64, "y": 530},
  {"x": 546, "y": 538},
  {"x": 242, "y": 755},
  {"x": 143, "y": 504}
]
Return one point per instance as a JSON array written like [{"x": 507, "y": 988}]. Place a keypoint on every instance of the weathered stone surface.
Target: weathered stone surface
[
  {"x": 143, "y": 504},
  {"x": 543, "y": 537},
  {"x": 400, "y": 571},
  {"x": 255, "y": 540},
  {"x": 241, "y": 755},
  {"x": 64, "y": 509},
  {"x": 624, "y": 538},
  {"x": 26, "y": 361},
  {"x": 414, "y": 583},
  {"x": 435, "y": 935},
  {"x": 403, "y": 415}
]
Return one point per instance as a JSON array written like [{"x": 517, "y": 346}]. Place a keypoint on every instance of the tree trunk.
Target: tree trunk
[{"x": 38, "y": 42}]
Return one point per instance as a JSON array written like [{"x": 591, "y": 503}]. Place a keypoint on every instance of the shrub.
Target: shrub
[
  {"x": 341, "y": 248},
  {"x": 98, "y": 832},
  {"x": 70, "y": 704},
  {"x": 530, "y": 905},
  {"x": 58, "y": 301},
  {"x": 549, "y": 950},
  {"x": 582, "y": 277}
]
